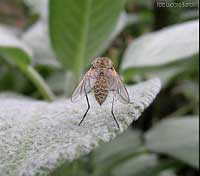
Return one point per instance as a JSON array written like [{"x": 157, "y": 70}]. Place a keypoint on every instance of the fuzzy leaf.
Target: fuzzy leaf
[
  {"x": 37, "y": 137},
  {"x": 162, "y": 47}
]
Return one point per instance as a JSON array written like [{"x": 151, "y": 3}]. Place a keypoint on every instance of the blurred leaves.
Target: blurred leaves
[
  {"x": 131, "y": 140},
  {"x": 190, "y": 90},
  {"x": 38, "y": 6},
  {"x": 143, "y": 165},
  {"x": 16, "y": 50},
  {"x": 38, "y": 40},
  {"x": 177, "y": 137},
  {"x": 17, "y": 53},
  {"x": 169, "y": 73},
  {"x": 167, "y": 54},
  {"x": 133, "y": 154},
  {"x": 10, "y": 76}
]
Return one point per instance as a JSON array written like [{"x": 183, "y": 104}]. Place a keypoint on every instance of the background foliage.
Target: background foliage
[{"x": 44, "y": 49}]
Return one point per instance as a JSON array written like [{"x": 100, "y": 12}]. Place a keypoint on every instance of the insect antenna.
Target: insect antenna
[
  {"x": 87, "y": 108},
  {"x": 112, "y": 112}
]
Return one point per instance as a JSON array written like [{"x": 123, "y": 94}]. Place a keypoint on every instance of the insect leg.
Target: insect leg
[
  {"x": 112, "y": 112},
  {"x": 86, "y": 110}
]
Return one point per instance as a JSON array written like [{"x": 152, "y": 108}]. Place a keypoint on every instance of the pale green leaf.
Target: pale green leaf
[
  {"x": 178, "y": 137},
  {"x": 168, "y": 172},
  {"x": 162, "y": 47},
  {"x": 142, "y": 165},
  {"x": 124, "y": 145}
]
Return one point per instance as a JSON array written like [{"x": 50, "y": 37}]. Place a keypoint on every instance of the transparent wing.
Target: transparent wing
[
  {"x": 84, "y": 87},
  {"x": 117, "y": 85}
]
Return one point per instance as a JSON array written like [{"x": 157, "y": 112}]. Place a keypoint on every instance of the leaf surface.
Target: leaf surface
[{"x": 37, "y": 137}]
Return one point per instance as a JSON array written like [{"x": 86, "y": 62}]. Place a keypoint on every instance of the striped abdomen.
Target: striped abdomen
[{"x": 101, "y": 89}]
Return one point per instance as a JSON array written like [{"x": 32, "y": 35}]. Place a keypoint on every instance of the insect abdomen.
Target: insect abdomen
[{"x": 101, "y": 90}]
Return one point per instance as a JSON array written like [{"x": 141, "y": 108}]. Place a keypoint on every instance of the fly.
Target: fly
[{"x": 101, "y": 78}]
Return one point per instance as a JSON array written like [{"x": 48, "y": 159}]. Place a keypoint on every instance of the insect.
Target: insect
[{"x": 101, "y": 78}]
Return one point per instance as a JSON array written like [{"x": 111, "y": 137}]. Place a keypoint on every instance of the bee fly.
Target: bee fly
[{"x": 101, "y": 78}]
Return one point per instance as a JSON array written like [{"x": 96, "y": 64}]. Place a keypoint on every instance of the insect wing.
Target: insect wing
[
  {"x": 84, "y": 87},
  {"x": 117, "y": 85}
]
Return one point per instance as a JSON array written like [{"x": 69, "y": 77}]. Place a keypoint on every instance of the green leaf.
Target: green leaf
[
  {"x": 17, "y": 53},
  {"x": 190, "y": 14},
  {"x": 168, "y": 172},
  {"x": 144, "y": 165},
  {"x": 124, "y": 145},
  {"x": 38, "y": 137},
  {"x": 80, "y": 30},
  {"x": 135, "y": 166},
  {"x": 168, "y": 73},
  {"x": 162, "y": 47},
  {"x": 190, "y": 90},
  {"x": 178, "y": 137}
]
